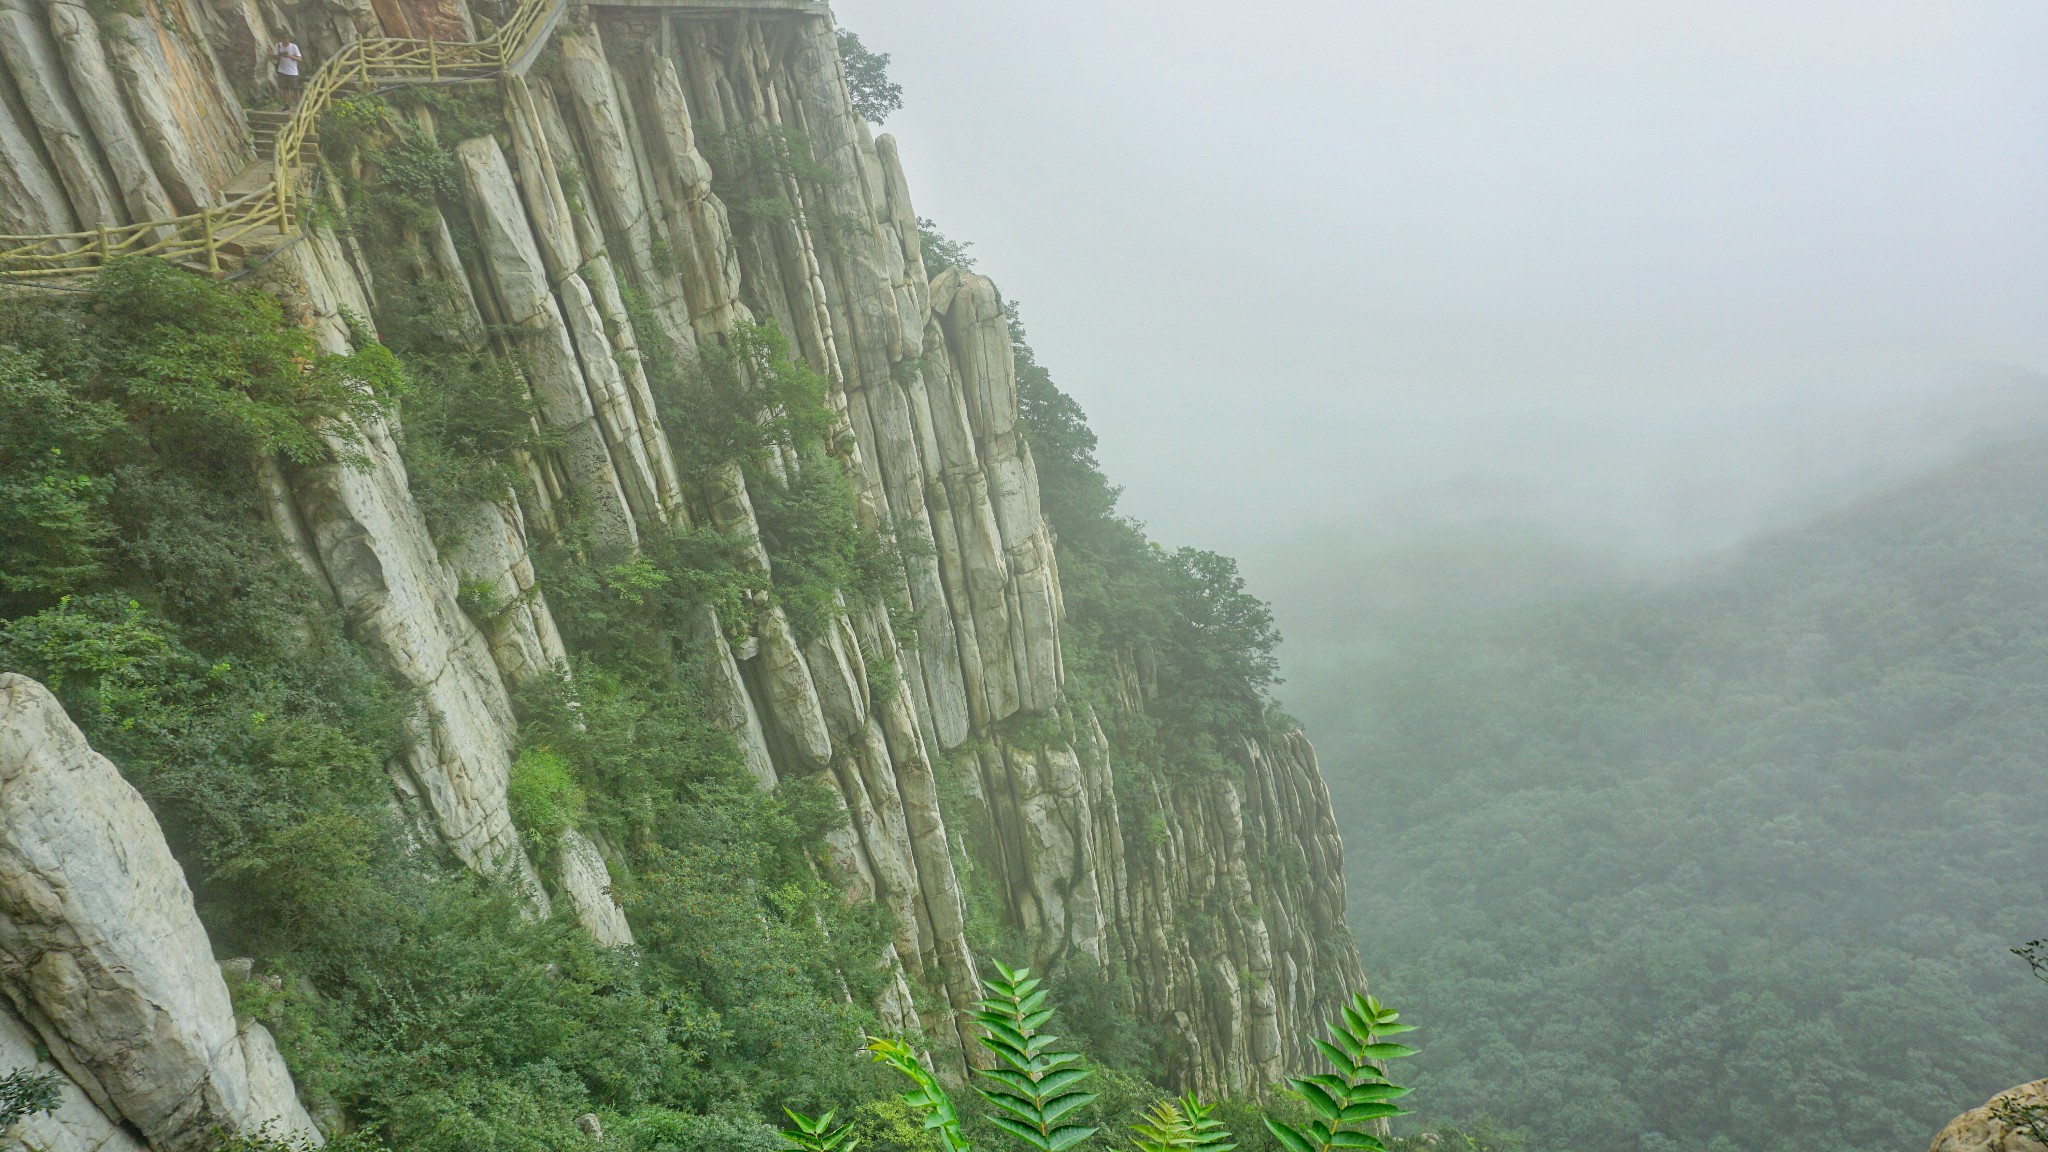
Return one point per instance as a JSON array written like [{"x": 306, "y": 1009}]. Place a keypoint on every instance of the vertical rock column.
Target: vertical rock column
[
  {"x": 521, "y": 285},
  {"x": 31, "y": 201},
  {"x": 46, "y": 95},
  {"x": 977, "y": 332},
  {"x": 78, "y": 38},
  {"x": 372, "y": 545}
]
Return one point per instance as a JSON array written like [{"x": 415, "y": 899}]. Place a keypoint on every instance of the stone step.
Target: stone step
[
  {"x": 249, "y": 179},
  {"x": 256, "y": 242}
]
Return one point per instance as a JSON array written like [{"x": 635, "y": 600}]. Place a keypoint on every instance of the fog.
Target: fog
[
  {"x": 1542, "y": 363},
  {"x": 1650, "y": 276}
]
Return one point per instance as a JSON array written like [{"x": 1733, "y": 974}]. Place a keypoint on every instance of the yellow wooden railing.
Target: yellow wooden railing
[{"x": 200, "y": 236}]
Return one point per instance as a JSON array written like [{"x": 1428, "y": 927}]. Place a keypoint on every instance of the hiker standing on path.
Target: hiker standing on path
[{"x": 288, "y": 57}]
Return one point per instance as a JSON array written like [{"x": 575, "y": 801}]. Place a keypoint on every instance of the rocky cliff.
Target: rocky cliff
[
  {"x": 2015, "y": 1120},
  {"x": 666, "y": 178}
]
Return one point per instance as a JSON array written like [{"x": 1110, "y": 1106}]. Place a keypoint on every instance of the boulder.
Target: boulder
[
  {"x": 1992, "y": 1128},
  {"x": 102, "y": 954}
]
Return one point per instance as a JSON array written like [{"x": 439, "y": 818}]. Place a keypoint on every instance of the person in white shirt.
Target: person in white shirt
[{"x": 288, "y": 58}]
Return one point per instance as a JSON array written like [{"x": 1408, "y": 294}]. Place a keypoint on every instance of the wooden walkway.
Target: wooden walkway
[{"x": 261, "y": 204}]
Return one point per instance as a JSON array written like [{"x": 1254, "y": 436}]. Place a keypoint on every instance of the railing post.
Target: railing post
[
  {"x": 106, "y": 252},
  {"x": 212, "y": 251},
  {"x": 433, "y": 60}
]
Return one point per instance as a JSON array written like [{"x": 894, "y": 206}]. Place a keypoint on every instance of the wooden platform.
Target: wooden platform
[{"x": 687, "y": 8}]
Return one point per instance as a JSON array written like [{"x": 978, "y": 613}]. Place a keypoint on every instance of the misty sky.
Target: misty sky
[{"x": 1649, "y": 265}]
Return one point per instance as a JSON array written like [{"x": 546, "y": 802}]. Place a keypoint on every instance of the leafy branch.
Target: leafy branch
[
  {"x": 1182, "y": 1125},
  {"x": 817, "y": 1135},
  {"x": 1358, "y": 1092},
  {"x": 1034, "y": 1084},
  {"x": 25, "y": 1092},
  {"x": 2035, "y": 953},
  {"x": 928, "y": 1098}
]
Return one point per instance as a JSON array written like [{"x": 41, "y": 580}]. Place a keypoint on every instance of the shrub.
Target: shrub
[
  {"x": 25, "y": 1092},
  {"x": 544, "y": 798}
]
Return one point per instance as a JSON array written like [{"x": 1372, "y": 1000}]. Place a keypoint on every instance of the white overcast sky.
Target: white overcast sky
[{"x": 1304, "y": 260}]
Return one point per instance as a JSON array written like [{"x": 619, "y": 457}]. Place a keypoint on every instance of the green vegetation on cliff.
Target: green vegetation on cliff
[
  {"x": 143, "y": 583},
  {"x": 1727, "y": 864},
  {"x": 1181, "y": 621},
  {"x": 141, "y": 578}
]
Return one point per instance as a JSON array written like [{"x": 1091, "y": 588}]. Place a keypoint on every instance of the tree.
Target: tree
[{"x": 867, "y": 79}]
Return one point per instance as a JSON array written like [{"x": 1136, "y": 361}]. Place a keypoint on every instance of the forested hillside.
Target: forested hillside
[{"x": 1731, "y": 862}]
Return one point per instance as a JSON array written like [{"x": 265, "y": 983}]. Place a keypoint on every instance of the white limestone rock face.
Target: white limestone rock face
[
  {"x": 586, "y": 882},
  {"x": 102, "y": 953},
  {"x": 1978, "y": 1130},
  {"x": 372, "y": 545},
  {"x": 145, "y": 71},
  {"x": 45, "y": 90},
  {"x": 731, "y": 707},
  {"x": 99, "y": 95},
  {"x": 521, "y": 285},
  {"x": 490, "y": 556},
  {"x": 77, "y": 1125},
  {"x": 977, "y": 333},
  {"x": 31, "y": 202}
]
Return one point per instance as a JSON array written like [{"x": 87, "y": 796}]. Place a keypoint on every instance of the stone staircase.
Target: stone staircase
[{"x": 263, "y": 129}]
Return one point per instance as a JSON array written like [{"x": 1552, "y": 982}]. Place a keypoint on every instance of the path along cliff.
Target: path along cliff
[{"x": 664, "y": 182}]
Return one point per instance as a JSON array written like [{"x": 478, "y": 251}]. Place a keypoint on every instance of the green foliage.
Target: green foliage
[
  {"x": 25, "y": 1092},
  {"x": 1481, "y": 1137},
  {"x": 927, "y": 1098},
  {"x": 410, "y": 996},
  {"x": 941, "y": 253},
  {"x": 753, "y": 170},
  {"x": 459, "y": 111},
  {"x": 1675, "y": 865},
  {"x": 818, "y": 1135},
  {"x": 184, "y": 644},
  {"x": 752, "y": 403},
  {"x": 196, "y": 368},
  {"x": 656, "y": 1129},
  {"x": 867, "y": 79},
  {"x": 54, "y": 527},
  {"x": 352, "y": 122},
  {"x": 822, "y": 552},
  {"x": 893, "y": 1126},
  {"x": 413, "y": 172},
  {"x": 1096, "y": 1003},
  {"x": 396, "y": 169},
  {"x": 268, "y": 1137},
  {"x": 466, "y": 412},
  {"x": 1183, "y": 1125},
  {"x": 1034, "y": 1081},
  {"x": 740, "y": 401},
  {"x": 544, "y": 797},
  {"x": 1355, "y": 1096},
  {"x": 1203, "y": 645}
]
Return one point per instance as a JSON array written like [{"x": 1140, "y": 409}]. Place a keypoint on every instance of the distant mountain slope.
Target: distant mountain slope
[{"x": 1731, "y": 864}]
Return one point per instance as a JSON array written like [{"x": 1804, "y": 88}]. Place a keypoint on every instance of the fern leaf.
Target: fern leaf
[
  {"x": 1358, "y": 1091},
  {"x": 1036, "y": 1090}
]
